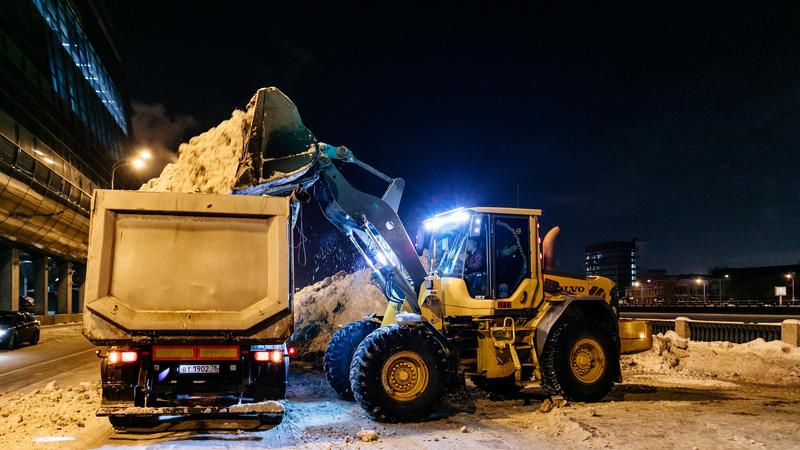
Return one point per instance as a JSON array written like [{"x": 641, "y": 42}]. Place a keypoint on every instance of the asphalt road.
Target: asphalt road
[
  {"x": 62, "y": 354},
  {"x": 750, "y": 318}
]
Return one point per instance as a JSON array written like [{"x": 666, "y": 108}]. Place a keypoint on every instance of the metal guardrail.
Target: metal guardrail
[
  {"x": 733, "y": 332},
  {"x": 708, "y": 331},
  {"x": 661, "y": 326}
]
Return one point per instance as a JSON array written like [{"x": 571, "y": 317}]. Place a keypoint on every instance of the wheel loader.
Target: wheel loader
[{"x": 486, "y": 303}]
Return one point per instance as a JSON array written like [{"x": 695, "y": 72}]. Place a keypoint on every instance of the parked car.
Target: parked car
[{"x": 17, "y": 327}]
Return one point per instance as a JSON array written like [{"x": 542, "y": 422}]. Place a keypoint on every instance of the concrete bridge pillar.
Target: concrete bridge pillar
[
  {"x": 682, "y": 327},
  {"x": 41, "y": 284},
  {"x": 64, "y": 287},
  {"x": 79, "y": 281},
  {"x": 790, "y": 332},
  {"x": 9, "y": 279}
]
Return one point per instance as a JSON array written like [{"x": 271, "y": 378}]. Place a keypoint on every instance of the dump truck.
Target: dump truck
[
  {"x": 487, "y": 304},
  {"x": 189, "y": 297}
]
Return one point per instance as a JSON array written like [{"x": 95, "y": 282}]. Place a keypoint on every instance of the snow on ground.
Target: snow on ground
[
  {"x": 326, "y": 306},
  {"x": 758, "y": 362},
  {"x": 53, "y": 414}
]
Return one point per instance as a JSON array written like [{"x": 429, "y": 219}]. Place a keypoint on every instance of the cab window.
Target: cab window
[
  {"x": 476, "y": 259},
  {"x": 511, "y": 254}
]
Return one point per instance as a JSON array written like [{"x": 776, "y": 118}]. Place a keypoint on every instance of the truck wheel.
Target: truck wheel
[
  {"x": 35, "y": 338},
  {"x": 398, "y": 373},
  {"x": 503, "y": 386},
  {"x": 12, "y": 341},
  {"x": 579, "y": 361},
  {"x": 339, "y": 354}
]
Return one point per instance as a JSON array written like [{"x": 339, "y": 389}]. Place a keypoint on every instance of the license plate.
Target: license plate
[{"x": 199, "y": 368}]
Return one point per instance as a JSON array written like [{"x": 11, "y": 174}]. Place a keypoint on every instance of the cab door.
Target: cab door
[{"x": 511, "y": 262}]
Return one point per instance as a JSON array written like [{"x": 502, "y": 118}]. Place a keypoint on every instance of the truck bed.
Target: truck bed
[{"x": 168, "y": 266}]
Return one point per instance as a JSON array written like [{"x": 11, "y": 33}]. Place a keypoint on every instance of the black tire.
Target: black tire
[
  {"x": 339, "y": 355},
  {"x": 558, "y": 378},
  {"x": 381, "y": 347},
  {"x": 34, "y": 338},
  {"x": 503, "y": 386},
  {"x": 12, "y": 341}
]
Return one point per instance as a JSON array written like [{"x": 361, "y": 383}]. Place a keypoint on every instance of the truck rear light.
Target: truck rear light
[
  {"x": 292, "y": 351},
  {"x": 115, "y": 357},
  {"x": 275, "y": 356}
]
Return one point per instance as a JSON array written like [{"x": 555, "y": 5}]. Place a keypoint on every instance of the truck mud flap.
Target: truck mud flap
[{"x": 268, "y": 408}]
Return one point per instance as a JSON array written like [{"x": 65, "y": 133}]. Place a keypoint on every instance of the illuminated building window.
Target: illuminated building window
[{"x": 67, "y": 29}]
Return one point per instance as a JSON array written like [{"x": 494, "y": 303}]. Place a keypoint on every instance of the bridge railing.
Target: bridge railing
[{"x": 736, "y": 332}]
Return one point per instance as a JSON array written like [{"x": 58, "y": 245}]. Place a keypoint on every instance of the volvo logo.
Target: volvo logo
[{"x": 573, "y": 289}]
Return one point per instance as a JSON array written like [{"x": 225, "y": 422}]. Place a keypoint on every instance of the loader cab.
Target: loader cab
[{"x": 483, "y": 259}]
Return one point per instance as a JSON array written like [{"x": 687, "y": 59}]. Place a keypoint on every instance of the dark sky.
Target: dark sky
[{"x": 678, "y": 124}]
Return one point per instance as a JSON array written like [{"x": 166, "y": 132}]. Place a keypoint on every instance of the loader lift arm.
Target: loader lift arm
[{"x": 283, "y": 158}]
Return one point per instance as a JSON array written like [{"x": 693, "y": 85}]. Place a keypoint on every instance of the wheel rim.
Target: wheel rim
[
  {"x": 405, "y": 376},
  {"x": 587, "y": 360}
]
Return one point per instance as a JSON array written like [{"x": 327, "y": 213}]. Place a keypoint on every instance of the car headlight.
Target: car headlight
[{"x": 3, "y": 332}]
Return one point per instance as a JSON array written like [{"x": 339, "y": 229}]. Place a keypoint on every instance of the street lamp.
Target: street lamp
[
  {"x": 138, "y": 162},
  {"x": 641, "y": 291},
  {"x": 701, "y": 281},
  {"x": 790, "y": 276},
  {"x": 724, "y": 277}
]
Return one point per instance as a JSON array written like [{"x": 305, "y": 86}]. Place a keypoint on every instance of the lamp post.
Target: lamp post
[
  {"x": 701, "y": 281},
  {"x": 790, "y": 276},
  {"x": 641, "y": 291},
  {"x": 724, "y": 277},
  {"x": 138, "y": 162}
]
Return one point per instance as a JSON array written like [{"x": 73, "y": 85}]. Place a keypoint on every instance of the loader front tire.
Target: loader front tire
[
  {"x": 399, "y": 372},
  {"x": 339, "y": 354},
  {"x": 580, "y": 361}
]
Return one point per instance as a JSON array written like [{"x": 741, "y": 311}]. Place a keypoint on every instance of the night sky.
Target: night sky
[{"x": 676, "y": 124}]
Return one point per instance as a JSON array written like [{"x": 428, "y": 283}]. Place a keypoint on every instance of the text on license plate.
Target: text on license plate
[{"x": 198, "y": 368}]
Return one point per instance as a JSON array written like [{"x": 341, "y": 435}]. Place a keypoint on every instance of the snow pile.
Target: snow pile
[
  {"x": 50, "y": 414},
  {"x": 209, "y": 162},
  {"x": 757, "y": 361},
  {"x": 322, "y": 308}
]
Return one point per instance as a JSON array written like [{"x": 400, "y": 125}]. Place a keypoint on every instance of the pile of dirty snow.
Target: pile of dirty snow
[
  {"x": 757, "y": 361},
  {"x": 51, "y": 414},
  {"x": 209, "y": 162},
  {"x": 322, "y": 308}
]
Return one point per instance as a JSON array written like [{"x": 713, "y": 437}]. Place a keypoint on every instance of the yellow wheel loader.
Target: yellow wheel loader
[{"x": 486, "y": 303}]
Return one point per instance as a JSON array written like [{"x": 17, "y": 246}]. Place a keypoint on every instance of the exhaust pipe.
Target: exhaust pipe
[{"x": 548, "y": 248}]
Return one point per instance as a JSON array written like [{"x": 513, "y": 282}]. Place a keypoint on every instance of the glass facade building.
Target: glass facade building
[
  {"x": 64, "y": 121},
  {"x": 616, "y": 260}
]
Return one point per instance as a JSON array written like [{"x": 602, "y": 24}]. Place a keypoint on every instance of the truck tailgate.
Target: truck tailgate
[{"x": 187, "y": 265}]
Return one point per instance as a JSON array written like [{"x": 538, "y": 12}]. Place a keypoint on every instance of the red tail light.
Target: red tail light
[
  {"x": 275, "y": 356},
  {"x": 115, "y": 357},
  {"x": 292, "y": 351}
]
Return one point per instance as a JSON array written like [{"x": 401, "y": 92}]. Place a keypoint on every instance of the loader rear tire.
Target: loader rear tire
[
  {"x": 579, "y": 361},
  {"x": 399, "y": 373},
  {"x": 339, "y": 354}
]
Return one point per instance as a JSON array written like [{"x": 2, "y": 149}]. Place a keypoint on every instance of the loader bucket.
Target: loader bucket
[{"x": 279, "y": 150}]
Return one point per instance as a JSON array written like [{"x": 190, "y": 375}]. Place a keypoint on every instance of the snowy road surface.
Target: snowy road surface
[
  {"x": 658, "y": 406},
  {"x": 61, "y": 352}
]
